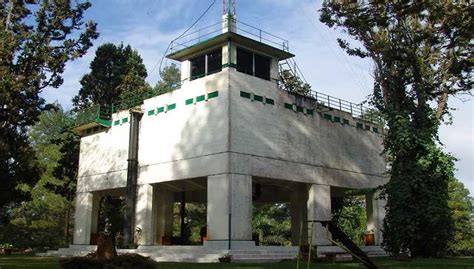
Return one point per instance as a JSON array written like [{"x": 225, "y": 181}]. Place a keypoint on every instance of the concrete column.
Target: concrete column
[
  {"x": 298, "y": 212},
  {"x": 319, "y": 208},
  {"x": 229, "y": 200},
  {"x": 164, "y": 200},
  {"x": 375, "y": 208},
  {"x": 86, "y": 217},
  {"x": 144, "y": 215},
  {"x": 95, "y": 213}
]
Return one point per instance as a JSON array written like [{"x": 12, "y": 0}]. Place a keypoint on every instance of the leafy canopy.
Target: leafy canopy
[
  {"x": 115, "y": 73},
  {"x": 37, "y": 39},
  {"x": 422, "y": 55}
]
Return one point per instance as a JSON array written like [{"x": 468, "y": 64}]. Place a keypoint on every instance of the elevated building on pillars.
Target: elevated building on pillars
[{"x": 236, "y": 132}]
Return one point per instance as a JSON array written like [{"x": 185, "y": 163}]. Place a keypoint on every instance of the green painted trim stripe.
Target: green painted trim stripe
[
  {"x": 289, "y": 106},
  {"x": 245, "y": 94},
  {"x": 200, "y": 98},
  {"x": 269, "y": 101},
  {"x": 171, "y": 106},
  {"x": 124, "y": 120},
  {"x": 327, "y": 117},
  {"x": 359, "y": 125},
  {"x": 151, "y": 112},
  {"x": 189, "y": 101},
  {"x": 310, "y": 112},
  {"x": 160, "y": 109},
  {"x": 337, "y": 119},
  {"x": 345, "y": 121},
  {"x": 375, "y": 130},
  {"x": 300, "y": 109},
  {"x": 212, "y": 95},
  {"x": 117, "y": 122},
  {"x": 258, "y": 98}
]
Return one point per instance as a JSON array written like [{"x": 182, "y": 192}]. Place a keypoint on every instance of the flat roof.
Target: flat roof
[{"x": 190, "y": 51}]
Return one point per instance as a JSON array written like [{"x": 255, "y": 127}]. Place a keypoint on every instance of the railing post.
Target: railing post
[
  {"x": 361, "y": 111},
  {"x": 340, "y": 105},
  {"x": 329, "y": 102},
  {"x": 351, "y": 109},
  {"x": 260, "y": 35}
]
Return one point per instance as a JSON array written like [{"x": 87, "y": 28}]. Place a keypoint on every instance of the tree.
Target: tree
[
  {"x": 37, "y": 39},
  {"x": 44, "y": 221},
  {"x": 170, "y": 79},
  {"x": 422, "y": 56},
  {"x": 462, "y": 207},
  {"x": 350, "y": 215},
  {"x": 116, "y": 73},
  {"x": 272, "y": 224}
]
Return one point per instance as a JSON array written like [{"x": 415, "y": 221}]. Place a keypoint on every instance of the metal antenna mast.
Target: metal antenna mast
[{"x": 228, "y": 7}]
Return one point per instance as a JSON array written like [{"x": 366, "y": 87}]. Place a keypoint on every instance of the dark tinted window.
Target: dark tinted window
[
  {"x": 244, "y": 61},
  {"x": 198, "y": 66},
  {"x": 214, "y": 61},
  {"x": 262, "y": 67}
]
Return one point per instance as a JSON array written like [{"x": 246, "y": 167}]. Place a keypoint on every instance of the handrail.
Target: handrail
[{"x": 242, "y": 28}]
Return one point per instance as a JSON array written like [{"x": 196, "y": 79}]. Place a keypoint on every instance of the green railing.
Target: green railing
[
  {"x": 103, "y": 114},
  {"x": 98, "y": 114}
]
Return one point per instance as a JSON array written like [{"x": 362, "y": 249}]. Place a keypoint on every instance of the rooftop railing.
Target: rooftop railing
[{"x": 215, "y": 29}]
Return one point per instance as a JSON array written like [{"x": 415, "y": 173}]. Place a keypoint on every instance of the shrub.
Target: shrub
[
  {"x": 131, "y": 261},
  {"x": 80, "y": 263},
  {"x": 126, "y": 261}
]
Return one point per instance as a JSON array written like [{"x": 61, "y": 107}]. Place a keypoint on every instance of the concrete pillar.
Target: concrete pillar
[
  {"x": 144, "y": 215},
  {"x": 86, "y": 217},
  {"x": 164, "y": 200},
  {"x": 298, "y": 212},
  {"x": 319, "y": 208},
  {"x": 229, "y": 200},
  {"x": 375, "y": 208}
]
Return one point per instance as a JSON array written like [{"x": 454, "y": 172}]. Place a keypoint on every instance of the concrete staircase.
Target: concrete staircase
[
  {"x": 193, "y": 254},
  {"x": 200, "y": 254}
]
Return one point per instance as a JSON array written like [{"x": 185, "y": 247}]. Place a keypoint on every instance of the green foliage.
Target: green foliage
[
  {"x": 461, "y": 204},
  {"x": 112, "y": 216},
  {"x": 350, "y": 215},
  {"x": 115, "y": 73},
  {"x": 422, "y": 55},
  {"x": 45, "y": 219},
  {"x": 170, "y": 78},
  {"x": 293, "y": 83},
  {"x": 37, "y": 39},
  {"x": 125, "y": 261},
  {"x": 272, "y": 224}
]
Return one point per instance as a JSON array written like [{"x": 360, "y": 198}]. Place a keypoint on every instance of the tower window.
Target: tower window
[
  {"x": 253, "y": 64},
  {"x": 244, "y": 61},
  {"x": 206, "y": 64},
  {"x": 262, "y": 67}
]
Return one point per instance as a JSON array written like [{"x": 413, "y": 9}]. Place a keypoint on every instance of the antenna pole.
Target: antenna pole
[{"x": 228, "y": 7}]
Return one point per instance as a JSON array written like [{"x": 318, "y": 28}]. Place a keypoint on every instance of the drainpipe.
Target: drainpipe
[{"x": 132, "y": 176}]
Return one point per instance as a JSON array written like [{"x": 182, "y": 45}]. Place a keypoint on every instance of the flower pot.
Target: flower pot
[{"x": 369, "y": 239}]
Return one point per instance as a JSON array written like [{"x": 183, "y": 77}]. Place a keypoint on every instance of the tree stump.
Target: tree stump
[{"x": 105, "y": 247}]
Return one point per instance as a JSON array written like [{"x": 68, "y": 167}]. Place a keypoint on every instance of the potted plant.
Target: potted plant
[
  {"x": 369, "y": 238},
  {"x": 6, "y": 248}
]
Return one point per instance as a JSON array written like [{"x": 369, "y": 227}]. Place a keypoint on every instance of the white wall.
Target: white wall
[{"x": 266, "y": 140}]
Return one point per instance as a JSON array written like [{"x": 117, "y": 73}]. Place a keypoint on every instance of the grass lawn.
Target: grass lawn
[{"x": 31, "y": 262}]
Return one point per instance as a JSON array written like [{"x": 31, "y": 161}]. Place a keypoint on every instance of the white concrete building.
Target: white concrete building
[{"x": 230, "y": 136}]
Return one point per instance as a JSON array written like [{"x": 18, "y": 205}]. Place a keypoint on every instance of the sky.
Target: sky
[{"x": 149, "y": 26}]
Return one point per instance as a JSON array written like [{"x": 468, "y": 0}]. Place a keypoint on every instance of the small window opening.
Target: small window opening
[
  {"x": 253, "y": 64},
  {"x": 206, "y": 64}
]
